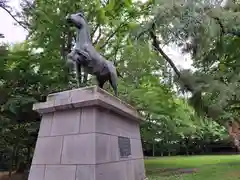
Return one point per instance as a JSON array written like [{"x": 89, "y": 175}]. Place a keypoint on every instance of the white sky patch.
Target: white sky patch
[
  {"x": 15, "y": 34},
  {"x": 12, "y": 33}
]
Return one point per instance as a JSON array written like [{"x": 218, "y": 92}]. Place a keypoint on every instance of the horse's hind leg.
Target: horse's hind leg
[
  {"x": 85, "y": 78},
  {"x": 78, "y": 74},
  {"x": 101, "y": 82},
  {"x": 113, "y": 82}
]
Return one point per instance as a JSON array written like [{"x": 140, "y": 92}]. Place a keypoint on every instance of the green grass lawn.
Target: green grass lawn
[{"x": 223, "y": 167}]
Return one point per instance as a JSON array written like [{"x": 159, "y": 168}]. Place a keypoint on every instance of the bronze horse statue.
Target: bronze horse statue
[{"x": 85, "y": 56}]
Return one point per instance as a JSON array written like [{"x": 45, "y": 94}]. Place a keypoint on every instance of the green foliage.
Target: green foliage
[
  {"x": 24, "y": 81},
  {"x": 213, "y": 47}
]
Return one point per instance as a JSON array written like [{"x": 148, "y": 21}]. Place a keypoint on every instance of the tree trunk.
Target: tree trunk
[
  {"x": 21, "y": 167},
  {"x": 234, "y": 133},
  {"x": 28, "y": 159},
  {"x": 16, "y": 158},
  {"x": 153, "y": 149},
  {"x": 11, "y": 163}
]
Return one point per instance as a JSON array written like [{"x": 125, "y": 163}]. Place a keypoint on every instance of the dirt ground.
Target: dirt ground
[{"x": 4, "y": 176}]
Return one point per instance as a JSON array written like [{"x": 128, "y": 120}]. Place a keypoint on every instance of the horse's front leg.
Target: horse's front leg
[{"x": 77, "y": 58}]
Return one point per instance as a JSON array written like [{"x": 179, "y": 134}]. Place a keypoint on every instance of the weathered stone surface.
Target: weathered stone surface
[
  {"x": 129, "y": 168},
  {"x": 106, "y": 122},
  {"x": 79, "y": 149},
  {"x": 109, "y": 171},
  {"x": 83, "y": 97},
  {"x": 46, "y": 125},
  {"x": 37, "y": 172},
  {"x": 103, "y": 146},
  {"x": 61, "y": 100},
  {"x": 115, "y": 155},
  {"x": 86, "y": 172},
  {"x": 48, "y": 150},
  {"x": 136, "y": 149},
  {"x": 60, "y": 172},
  {"x": 114, "y": 124},
  {"x": 44, "y": 107},
  {"x": 66, "y": 122},
  {"x": 135, "y": 133},
  {"x": 139, "y": 170},
  {"x": 88, "y": 120},
  {"x": 59, "y": 96}
]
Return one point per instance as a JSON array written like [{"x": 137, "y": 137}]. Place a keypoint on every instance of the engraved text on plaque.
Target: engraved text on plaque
[{"x": 124, "y": 146}]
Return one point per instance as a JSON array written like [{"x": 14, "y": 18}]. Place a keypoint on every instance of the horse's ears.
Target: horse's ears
[{"x": 81, "y": 11}]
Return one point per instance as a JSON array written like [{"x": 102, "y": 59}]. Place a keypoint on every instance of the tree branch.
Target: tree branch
[
  {"x": 8, "y": 11},
  {"x": 111, "y": 35},
  {"x": 94, "y": 30},
  {"x": 220, "y": 24},
  {"x": 155, "y": 44},
  {"x": 99, "y": 35},
  {"x": 197, "y": 95},
  {"x": 223, "y": 31}
]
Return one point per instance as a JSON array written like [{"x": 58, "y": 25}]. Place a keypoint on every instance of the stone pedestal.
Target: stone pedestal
[{"x": 87, "y": 134}]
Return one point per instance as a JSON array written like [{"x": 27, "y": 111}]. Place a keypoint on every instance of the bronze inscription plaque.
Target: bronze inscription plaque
[{"x": 124, "y": 146}]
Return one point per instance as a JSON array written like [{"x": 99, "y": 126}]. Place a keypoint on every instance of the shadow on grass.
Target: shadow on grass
[{"x": 171, "y": 171}]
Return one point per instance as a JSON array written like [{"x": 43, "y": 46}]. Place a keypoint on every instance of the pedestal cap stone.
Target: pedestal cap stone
[{"x": 83, "y": 97}]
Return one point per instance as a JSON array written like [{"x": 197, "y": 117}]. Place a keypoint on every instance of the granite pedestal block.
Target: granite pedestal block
[{"x": 87, "y": 134}]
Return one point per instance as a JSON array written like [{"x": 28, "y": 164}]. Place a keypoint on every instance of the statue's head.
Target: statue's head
[{"x": 77, "y": 19}]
